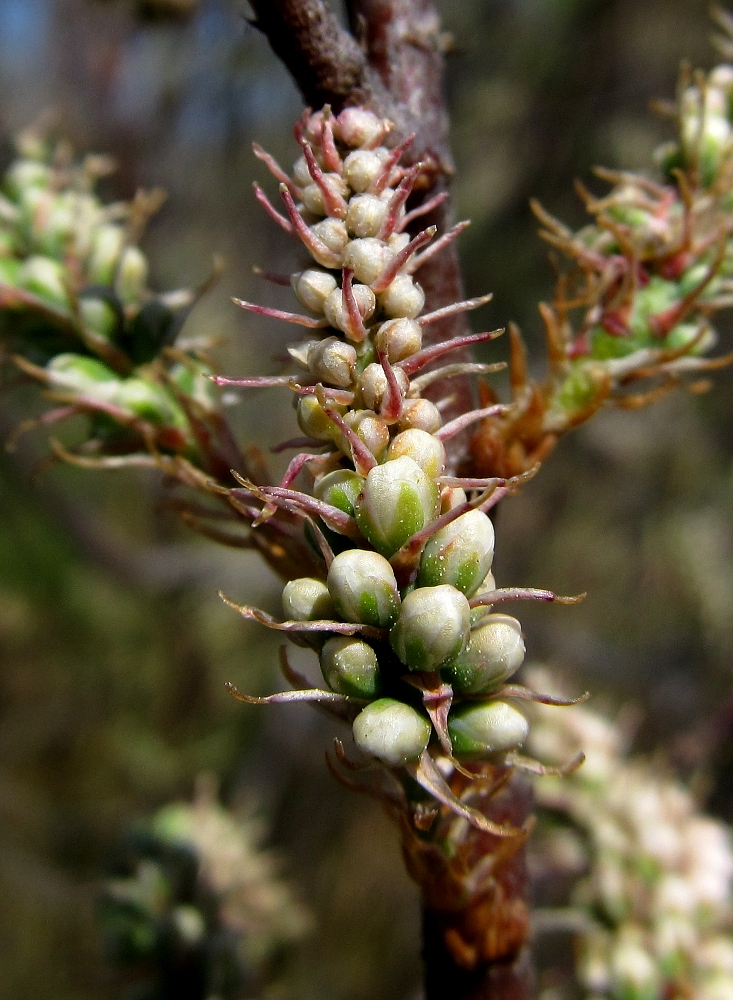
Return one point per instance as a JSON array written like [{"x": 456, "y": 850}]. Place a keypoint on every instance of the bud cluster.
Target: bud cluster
[
  {"x": 659, "y": 885},
  {"x": 402, "y": 619},
  {"x": 642, "y": 284},
  {"x": 76, "y": 310}
]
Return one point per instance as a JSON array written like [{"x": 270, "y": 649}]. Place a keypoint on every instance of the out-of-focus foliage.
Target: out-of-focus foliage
[{"x": 112, "y": 698}]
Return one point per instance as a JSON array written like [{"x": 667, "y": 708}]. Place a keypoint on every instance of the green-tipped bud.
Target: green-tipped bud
[
  {"x": 312, "y": 288},
  {"x": 485, "y": 729},
  {"x": 399, "y": 339},
  {"x": 98, "y": 316},
  {"x": 46, "y": 279},
  {"x": 432, "y": 627},
  {"x": 307, "y": 600},
  {"x": 459, "y": 554},
  {"x": 149, "y": 401},
  {"x": 495, "y": 650},
  {"x": 391, "y": 731},
  {"x": 424, "y": 449},
  {"x": 132, "y": 276},
  {"x": 364, "y": 588},
  {"x": 397, "y": 501},
  {"x": 340, "y": 489},
  {"x": 313, "y": 420},
  {"x": 350, "y": 667},
  {"x": 82, "y": 374}
]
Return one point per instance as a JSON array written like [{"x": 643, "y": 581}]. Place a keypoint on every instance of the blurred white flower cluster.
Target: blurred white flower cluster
[{"x": 658, "y": 884}]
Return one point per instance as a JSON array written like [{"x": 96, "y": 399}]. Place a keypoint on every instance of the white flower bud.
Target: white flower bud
[
  {"x": 391, "y": 731},
  {"x": 404, "y": 297},
  {"x": 370, "y": 428},
  {"x": 486, "y": 728},
  {"x": 398, "y": 500},
  {"x": 420, "y": 414},
  {"x": 398, "y": 241},
  {"x": 314, "y": 422},
  {"x": 307, "y": 600},
  {"x": 373, "y": 385},
  {"x": 432, "y": 627},
  {"x": 364, "y": 588},
  {"x": 634, "y": 970},
  {"x": 460, "y": 553},
  {"x": 24, "y": 175},
  {"x": 363, "y": 167},
  {"x": 332, "y": 361},
  {"x": 359, "y": 127},
  {"x": 424, "y": 449},
  {"x": 340, "y": 489},
  {"x": 399, "y": 338},
  {"x": 312, "y": 287},
  {"x": 495, "y": 650},
  {"x": 367, "y": 258},
  {"x": 451, "y": 497},
  {"x": 98, "y": 316},
  {"x": 335, "y": 310},
  {"x": 312, "y": 196},
  {"x": 333, "y": 233},
  {"x": 350, "y": 666},
  {"x": 301, "y": 173},
  {"x": 365, "y": 215}
]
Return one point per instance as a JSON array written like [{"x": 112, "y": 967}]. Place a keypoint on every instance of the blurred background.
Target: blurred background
[{"x": 113, "y": 644}]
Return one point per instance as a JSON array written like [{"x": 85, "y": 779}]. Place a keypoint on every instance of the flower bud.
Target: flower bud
[
  {"x": 486, "y": 728},
  {"x": 149, "y": 401},
  {"x": 495, "y": 650},
  {"x": 420, "y": 414},
  {"x": 391, "y": 731},
  {"x": 80, "y": 373},
  {"x": 398, "y": 241},
  {"x": 451, "y": 497},
  {"x": 107, "y": 246},
  {"x": 335, "y": 310},
  {"x": 98, "y": 316},
  {"x": 370, "y": 429},
  {"x": 307, "y": 600},
  {"x": 350, "y": 667},
  {"x": 399, "y": 338},
  {"x": 332, "y": 361},
  {"x": 340, "y": 489},
  {"x": 132, "y": 275},
  {"x": 398, "y": 500},
  {"x": 480, "y": 612},
  {"x": 432, "y": 627},
  {"x": 45, "y": 278},
  {"x": 366, "y": 214},
  {"x": 367, "y": 258},
  {"x": 460, "y": 553},
  {"x": 301, "y": 173},
  {"x": 333, "y": 233},
  {"x": 424, "y": 449},
  {"x": 312, "y": 287},
  {"x": 404, "y": 297},
  {"x": 313, "y": 421},
  {"x": 373, "y": 385},
  {"x": 363, "y": 167},
  {"x": 359, "y": 127},
  {"x": 363, "y": 587},
  {"x": 313, "y": 198}
]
